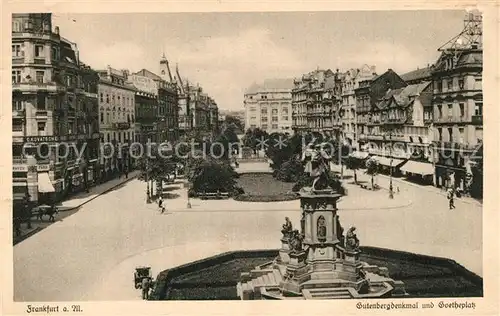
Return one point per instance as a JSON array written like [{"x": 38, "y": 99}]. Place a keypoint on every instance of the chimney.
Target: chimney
[{"x": 109, "y": 71}]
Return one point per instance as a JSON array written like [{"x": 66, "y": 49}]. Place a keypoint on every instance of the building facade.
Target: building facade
[
  {"x": 55, "y": 135},
  {"x": 146, "y": 109},
  {"x": 268, "y": 106},
  {"x": 117, "y": 117},
  {"x": 457, "y": 112},
  {"x": 368, "y": 94},
  {"x": 350, "y": 83}
]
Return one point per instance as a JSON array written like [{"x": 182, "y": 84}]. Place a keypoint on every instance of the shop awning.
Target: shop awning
[
  {"x": 360, "y": 154},
  {"x": 387, "y": 161},
  {"x": 44, "y": 183},
  {"x": 421, "y": 168}
]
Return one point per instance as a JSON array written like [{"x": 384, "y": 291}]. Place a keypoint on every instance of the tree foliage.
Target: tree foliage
[
  {"x": 354, "y": 164},
  {"x": 233, "y": 120},
  {"x": 372, "y": 169},
  {"x": 290, "y": 171},
  {"x": 156, "y": 165},
  {"x": 211, "y": 175}
]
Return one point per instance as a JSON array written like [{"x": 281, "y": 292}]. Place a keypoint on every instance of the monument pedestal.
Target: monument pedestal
[
  {"x": 284, "y": 256},
  {"x": 296, "y": 271}
]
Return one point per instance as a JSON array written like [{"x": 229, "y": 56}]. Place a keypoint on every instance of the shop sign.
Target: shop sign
[
  {"x": 19, "y": 168},
  {"x": 144, "y": 84},
  {"x": 42, "y": 167}
]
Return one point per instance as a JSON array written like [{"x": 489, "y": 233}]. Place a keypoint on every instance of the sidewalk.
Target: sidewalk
[
  {"x": 85, "y": 197},
  {"x": 432, "y": 189}
]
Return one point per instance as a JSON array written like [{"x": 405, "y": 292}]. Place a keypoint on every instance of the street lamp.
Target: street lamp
[
  {"x": 148, "y": 196},
  {"x": 391, "y": 193}
]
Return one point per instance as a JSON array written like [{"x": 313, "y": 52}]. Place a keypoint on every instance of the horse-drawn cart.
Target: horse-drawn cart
[{"x": 140, "y": 274}]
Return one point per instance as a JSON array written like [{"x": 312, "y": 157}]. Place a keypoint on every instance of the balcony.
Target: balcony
[
  {"x": 477, "y": 119},
  {"x": 39, "y": 61},
  {"x": 451, "y": 119},
  {"x": 36, "y": 87},
  {"x": 41, "y": 114},
  {"x": 18, "y": 114}
]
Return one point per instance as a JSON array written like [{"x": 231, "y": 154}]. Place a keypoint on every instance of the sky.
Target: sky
[{"x": 226, "y": 52}]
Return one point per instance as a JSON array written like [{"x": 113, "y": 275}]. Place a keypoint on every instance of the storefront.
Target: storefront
[
  {"x": 421, "y": 172},
  {"x": 386, "y": 163}
]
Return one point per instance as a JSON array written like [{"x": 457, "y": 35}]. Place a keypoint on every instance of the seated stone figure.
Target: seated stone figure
[{"x": 351, "y": 240}]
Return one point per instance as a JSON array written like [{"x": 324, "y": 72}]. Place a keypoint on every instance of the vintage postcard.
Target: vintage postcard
[{"x": 172, "y": 159}]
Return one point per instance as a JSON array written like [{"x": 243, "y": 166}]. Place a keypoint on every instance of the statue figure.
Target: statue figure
[
  {"x": 317, "y": 164},
  {"x": 352, "y": 241},
  {"x": 340, "y": 233},
  {"x": 287, "y": 228},
  {"x": 296, "y": 241}
]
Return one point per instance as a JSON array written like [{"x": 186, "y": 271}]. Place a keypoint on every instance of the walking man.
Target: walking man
[
  {"x": 160, "y": 204},
  {"x": 145, "y": 288},
  {"x": 451, "y": 195}
]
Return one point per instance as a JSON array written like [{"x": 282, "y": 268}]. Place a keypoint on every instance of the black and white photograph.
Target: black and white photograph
[{"x": 238, "y": 155}]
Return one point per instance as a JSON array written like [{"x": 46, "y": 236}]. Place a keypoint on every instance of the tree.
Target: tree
[
  {"x": 353, "y": 164},
  {"x": 233, "y": 120},
  {"x": 290, "y": 171},
  {"x": 156, "y": 166},
  {"x": 372, "y": 168},
  {"x": 278, "y": 150},
  {"x": 254, "y": 138},
  {"x": 211, "y": 175}
]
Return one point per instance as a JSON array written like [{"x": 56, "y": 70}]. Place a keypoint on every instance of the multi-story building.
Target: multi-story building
[
  {"x": 458, "y": 104},
  {"x": 368, "y": 94},
  {"x": 146, "y": 109},
  {"x": 310, "y": 113},
  {"x": 52, "y": 99},
  {"x": 350, "y": 83},
  {"x": 213, "y": 113},
  {"x": 398, "y": 136},
  {"x": 167, "y": 93},
  {"x": 268, "y": 106},
  {"x": 117, "y": 117}
]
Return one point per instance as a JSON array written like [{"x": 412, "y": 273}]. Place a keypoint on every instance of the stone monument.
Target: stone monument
[{"x": 318, "y": 262}]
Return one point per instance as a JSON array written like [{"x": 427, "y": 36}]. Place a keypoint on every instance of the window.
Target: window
[
  {"x": 39, "y": 51},
  {"x": 252, "y": 109},
  {"x": 284, "y": 111},
  {"x": 461, "y": 131},
  {"x": 440, "y": 134},
  {"x": 274, "y": 112},
  {"x": 102, "y": 117},
  {"x": 17, "y": 125},
  {"x": 41, "y": 126},
  {"x": 253, "y": 117},
  {"x": 449, "y": 84},
  {"x": 274, "y": 119},
  {"x": 107, "y": 119},
  {"x": 107, "y": 137},
  {"x": 450, "y": 110},
  {"x": 284, "y": 118},
  {"x": 478, "y": 108},
  {"x": 439, "y": 86},
  {"x": 263, "y": 111},
  {"x": 107, "y": 98},
  {"x": 450, "y": 133},
  {"x": 17, "y": 50},
  {"x": 274, "y": 126},
  {"x": 102, "y": 97},
  {"x": 40, "y": 102},
  {"x": 39, "y": 76},
  {"x": 264, "y": 119},
  {"x": 54, "y": 53},
  {"x": 264, "y": 126},
  {"x": 461, "y": 83},
  {"x": 16, "y": 26},
  {"x": 440, "y": 111},
  {"x": 462, "y": 109},
  {"x": 16, "y": 76},
  {"x": 17, "y": 105}
]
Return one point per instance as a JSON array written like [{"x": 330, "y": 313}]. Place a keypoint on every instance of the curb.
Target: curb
[
  {"x": 26, "y": 236},
  {"x": 98, "y": 195}
]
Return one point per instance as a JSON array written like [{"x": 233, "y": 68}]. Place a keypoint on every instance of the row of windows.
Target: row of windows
[
  {"x": 119, "y": 116},
  {"x": 40, "y": 51},
  {"x": 118, "y": 136},
  {"x": 110, "y": 98}
]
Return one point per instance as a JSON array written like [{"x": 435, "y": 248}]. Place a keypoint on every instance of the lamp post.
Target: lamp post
[
  {"x": 148, "y": 196},
  {"x": 391, "y": 193}
]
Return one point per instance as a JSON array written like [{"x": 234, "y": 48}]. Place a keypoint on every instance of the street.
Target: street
[{"x": 92, "y": 254}]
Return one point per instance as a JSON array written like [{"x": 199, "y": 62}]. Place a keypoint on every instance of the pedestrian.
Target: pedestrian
[
  {"x": 145, "y": 288},
  {"x": 451, "y": 198},
  {"x": 160, "y": 204},
  {"x": 397, "y": 189}
]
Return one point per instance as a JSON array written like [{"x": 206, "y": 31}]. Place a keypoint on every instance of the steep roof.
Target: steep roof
[
  {"x": 418, "y": 74},
  {"x": 402, "y": 95},
  {"x": 149, "y": 74}
]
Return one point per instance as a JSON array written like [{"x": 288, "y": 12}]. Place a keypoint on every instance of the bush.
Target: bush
[
  {"x": 290, "y": 171},
  {"x": 211, "y": 175}
]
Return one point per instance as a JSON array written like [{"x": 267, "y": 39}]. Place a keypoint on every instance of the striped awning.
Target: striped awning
[
  {"x": 44, "y": 183},
  {"x": 386, "y": 161},
  {"x": 421, "y": 168},
  {"x": 360, "y": 154}
]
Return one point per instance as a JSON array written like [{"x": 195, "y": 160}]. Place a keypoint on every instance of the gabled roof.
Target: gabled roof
[
  {"x": 418, "y": 74},
  {"x": 149, "y": 74},
  {"x": 402, "y": 96}
]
